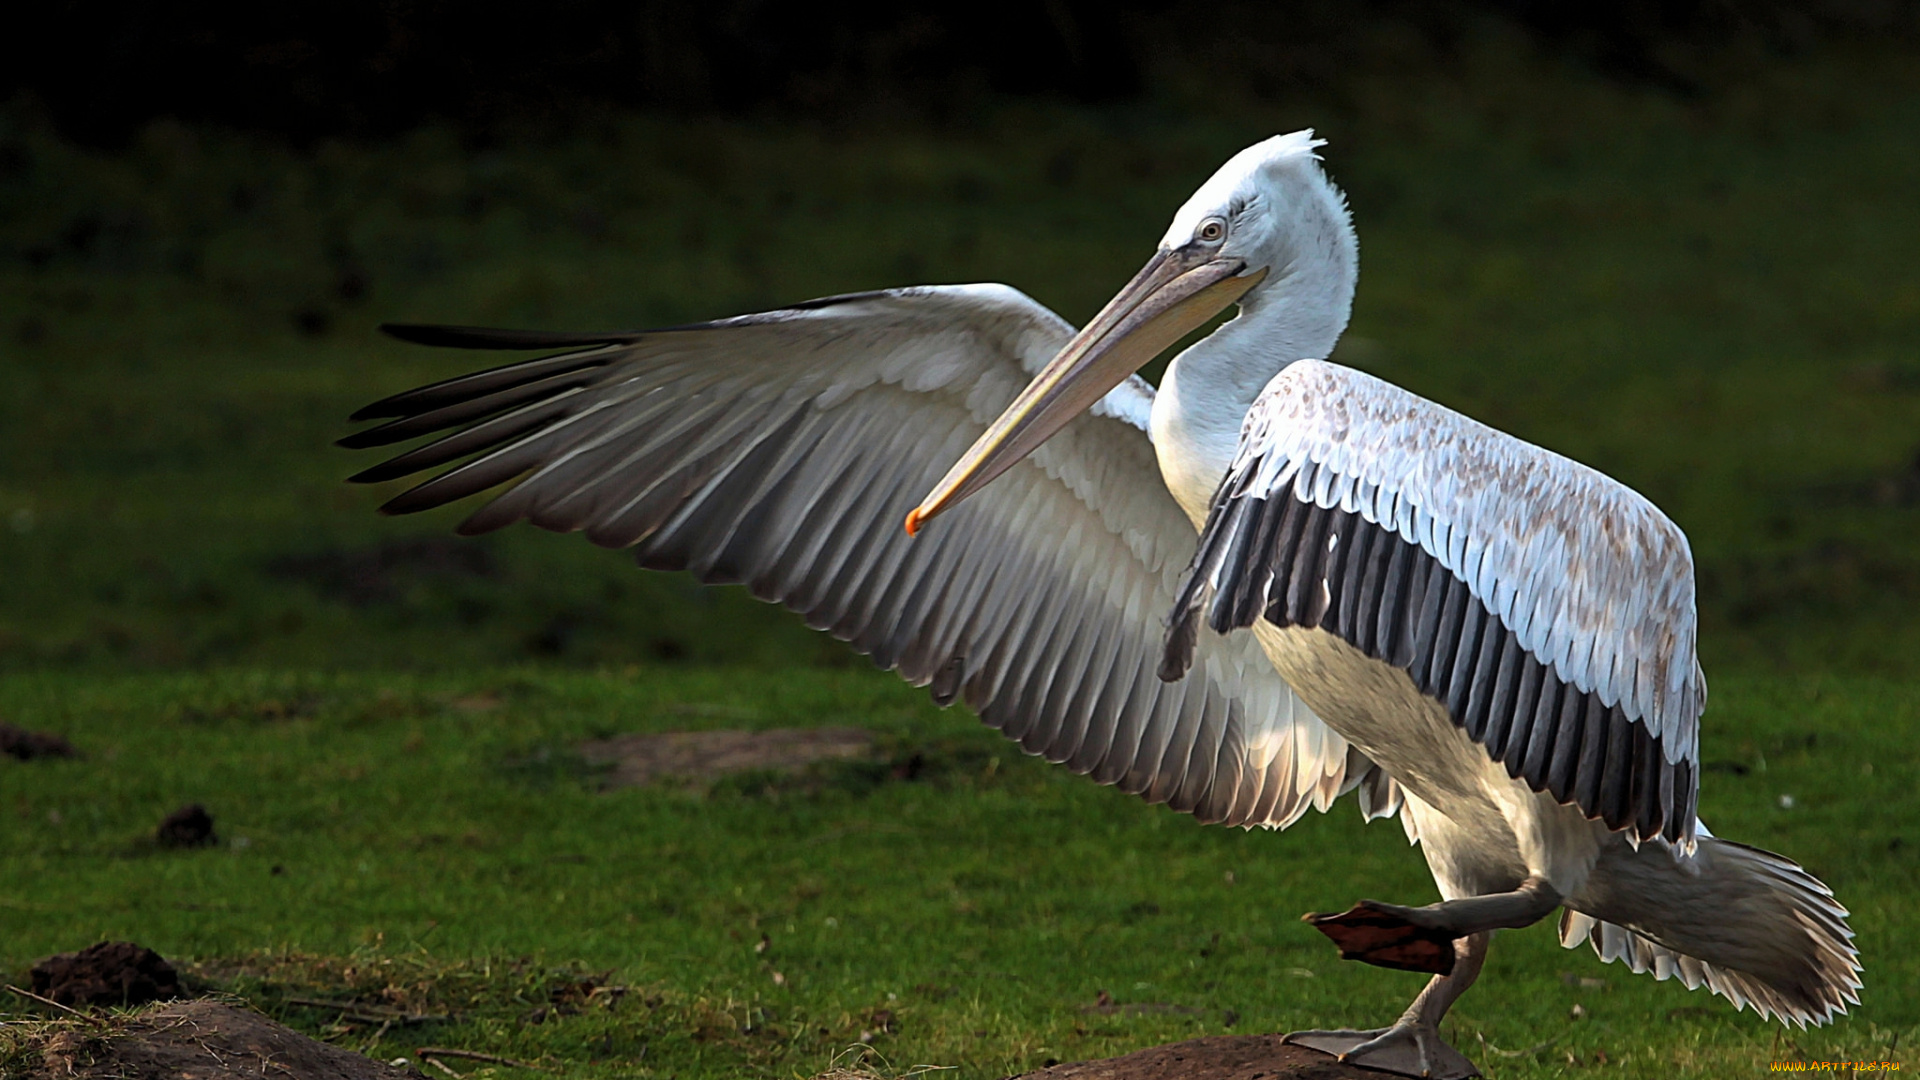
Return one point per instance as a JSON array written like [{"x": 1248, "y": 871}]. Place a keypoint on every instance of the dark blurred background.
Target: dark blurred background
[
  {"x": 1674, "y": 240},
  {"x": 375, "y": 68}
]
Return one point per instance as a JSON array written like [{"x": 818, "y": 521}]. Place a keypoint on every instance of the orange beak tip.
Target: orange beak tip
[{"x": 913, "y": 522}]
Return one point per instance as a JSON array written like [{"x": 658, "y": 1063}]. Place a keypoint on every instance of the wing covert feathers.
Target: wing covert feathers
[
  {"x": 781, "y": 451},
  {"x": 1546, "y": 606}
]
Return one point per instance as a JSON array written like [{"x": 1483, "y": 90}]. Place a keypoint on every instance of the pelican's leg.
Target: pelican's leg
[
  {"x": 1413, "y": 1046},
  {"x": 1421, "y": 938}
]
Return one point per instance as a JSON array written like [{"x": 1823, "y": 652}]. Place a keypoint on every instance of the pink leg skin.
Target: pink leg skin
[{"x": 1384, "y": 936}]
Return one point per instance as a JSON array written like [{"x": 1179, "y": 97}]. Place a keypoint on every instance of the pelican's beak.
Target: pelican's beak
[{"x": 1175, "y": 293}]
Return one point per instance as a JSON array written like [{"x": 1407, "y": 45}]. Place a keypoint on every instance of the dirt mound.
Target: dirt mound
[
  {"x": 110, "y": 973},
  {"x": 198, "y": 1040},
  {"x": 189, "y": 826},
  {"x": 707, "y": 755},
  {"x": 24, "y": 745},
  {"x": 1219, "y": 1057},
  {"x": 214, "y": 1040}
]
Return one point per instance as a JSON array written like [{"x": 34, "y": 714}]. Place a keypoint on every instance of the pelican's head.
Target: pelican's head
[
  {"x": 1271, "y": 207},
  {"x": 1264, "y": 214}
]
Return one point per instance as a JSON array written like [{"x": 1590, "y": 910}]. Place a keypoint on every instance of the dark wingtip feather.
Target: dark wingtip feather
[
  {"x": 407, "y": 502},
  {"x": 371, "y": 437},
  {"x": 1183, "y": 637},
  {"x": 378, "y": 474},
  {"x": 428, "y": 496},
  {"x": 484, "y": 337}
]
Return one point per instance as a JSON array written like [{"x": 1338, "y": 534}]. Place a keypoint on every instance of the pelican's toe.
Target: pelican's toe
[{"x": 1409, "y": 1049}]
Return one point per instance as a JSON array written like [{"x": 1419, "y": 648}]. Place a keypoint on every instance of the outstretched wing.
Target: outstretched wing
[
  {"x": 783, "y": 451},
  {"x": 1549, "y": 608}
]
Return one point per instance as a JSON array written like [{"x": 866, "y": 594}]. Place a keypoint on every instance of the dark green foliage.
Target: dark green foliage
[{"x": 1711, "y": 300}]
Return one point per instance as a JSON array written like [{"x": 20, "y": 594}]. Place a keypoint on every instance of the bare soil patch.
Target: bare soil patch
[
  {"x": 189, "y": 826},
  {"x": 24, "y": 745},
  {"x": 700, "y": 756},
  {"x": 193, "y": 1040},
  {"x": 1218, "y": 1057}
]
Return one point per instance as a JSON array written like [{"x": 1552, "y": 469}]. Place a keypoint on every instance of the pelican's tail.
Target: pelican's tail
[{"x": 1752, "y": 926}]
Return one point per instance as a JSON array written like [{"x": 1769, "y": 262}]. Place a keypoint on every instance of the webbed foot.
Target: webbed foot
[
  {"x": 1406, "y": 1049},
  {"x": 1388, "y": 936}
]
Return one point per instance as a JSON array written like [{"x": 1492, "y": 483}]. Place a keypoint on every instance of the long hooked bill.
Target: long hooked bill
[{"x": 1174, "y": 294}]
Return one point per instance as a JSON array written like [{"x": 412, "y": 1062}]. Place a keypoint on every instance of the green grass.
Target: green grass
[
  {"x": 1715, "y": 301},
  {"x": 431, "y": 841}
]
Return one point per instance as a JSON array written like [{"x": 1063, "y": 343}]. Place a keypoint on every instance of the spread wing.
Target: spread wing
[
  {"x": 783, "y": 450},
  {"x": 1549, "y": 608}
]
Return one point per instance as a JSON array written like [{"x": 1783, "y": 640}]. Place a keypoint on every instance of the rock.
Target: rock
[
  {"x": 1217, "y": 1057},
  {"x": 110, "y": 973},
  {"x": 201, "y": 1040},
  {"x": 189, "y": 826}
]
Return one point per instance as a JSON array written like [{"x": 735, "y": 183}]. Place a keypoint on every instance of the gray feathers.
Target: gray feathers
[
  {"x": 1750, "y": 925},
  {"x": 781, "y": 451}
]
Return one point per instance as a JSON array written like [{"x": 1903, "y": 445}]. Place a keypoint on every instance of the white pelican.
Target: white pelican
[{"x": 1489, "y": 640}]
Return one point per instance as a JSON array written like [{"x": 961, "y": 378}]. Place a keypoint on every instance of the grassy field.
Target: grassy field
[
  {"x": 1716, "y": 301},
  {"x": 434, "y": 842}
]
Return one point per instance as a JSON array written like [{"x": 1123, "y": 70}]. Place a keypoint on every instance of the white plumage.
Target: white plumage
[
  {"x": 1588, "y": 577},
  {"x": 1586, "y": 571},
  {"x": 1486, "y": 639}
]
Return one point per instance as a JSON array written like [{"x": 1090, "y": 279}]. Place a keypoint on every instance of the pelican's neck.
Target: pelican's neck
[{"x": 1208, "y": 388}]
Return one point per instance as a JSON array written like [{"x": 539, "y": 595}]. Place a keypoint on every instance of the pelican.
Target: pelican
[{"x": 1274, "y": 581}]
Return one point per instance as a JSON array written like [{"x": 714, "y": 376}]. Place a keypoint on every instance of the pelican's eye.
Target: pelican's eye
[{"x": 1212, "y": 231}]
